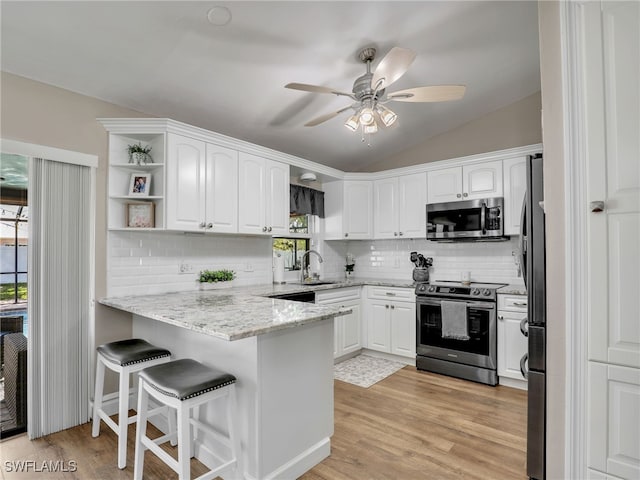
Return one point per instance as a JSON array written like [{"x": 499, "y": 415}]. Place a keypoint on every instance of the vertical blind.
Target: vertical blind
[{"x": 60, "y": 269}]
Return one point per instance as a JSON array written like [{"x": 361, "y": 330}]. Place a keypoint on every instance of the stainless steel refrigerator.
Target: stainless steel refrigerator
[{"x": 532, "y": 248}]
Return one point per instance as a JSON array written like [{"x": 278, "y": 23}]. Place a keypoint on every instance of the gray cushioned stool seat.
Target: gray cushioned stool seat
[
  {"x": 185, "y": 378},
  {"x": 134, "y": 350}
]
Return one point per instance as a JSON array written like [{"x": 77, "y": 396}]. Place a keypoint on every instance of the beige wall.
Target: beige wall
[
  {"x": 33, "y": 112},
  {"x": 515, "y": 125},
  {"x": 552, "y": 116}
]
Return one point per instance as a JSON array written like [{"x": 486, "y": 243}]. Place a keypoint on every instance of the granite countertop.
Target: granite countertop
[
  {"x": 240, "y": 312},
  {"x": 513, "y": 289}
]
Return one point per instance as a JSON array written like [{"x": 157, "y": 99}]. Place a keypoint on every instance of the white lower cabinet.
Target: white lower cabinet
[
  {"x": 512, "y": 344},
  {"x": 347, "y": 329},
  {"x": 391, "y": 324},
  {"x": 614, "y": 420}
]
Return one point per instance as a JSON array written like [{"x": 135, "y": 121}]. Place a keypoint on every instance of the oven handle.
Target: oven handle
[
  {"x": 483, "y": 218},
  {"x": 523, "y": 369},
  {"x": 470, "y": 303}
]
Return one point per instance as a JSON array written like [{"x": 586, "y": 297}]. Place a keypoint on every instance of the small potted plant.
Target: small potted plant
[
  {"x": 139, "y": 154},
  {"x": 215, "y": 279}
]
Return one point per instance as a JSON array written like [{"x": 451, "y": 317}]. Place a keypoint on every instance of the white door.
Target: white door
[
  {"x": 378, "y": 330},
  {"x": 351, "y": 329},
  {"x": 403, "y": 329},
  {"x": 611, "y": 71},
  {"x": 251, "y": 194},
  {"x": 277, "y": 198},
  {"x": 444, "y": 185},
  {"x": 512, "y": 344},
  {"x": 385, "y": 208},
  {"x": 222, "y": 189},
  {"x": 185, "y": 183},
  {"x": 515, "y": 186},
  {"x": 412, "y": 202},
  {"x": 483, "y": 180},
  {"x": 358, "y": 212}
]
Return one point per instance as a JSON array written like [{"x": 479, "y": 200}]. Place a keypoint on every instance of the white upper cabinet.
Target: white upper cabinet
[
  {"x": 515, "y": 185},
  {"x": 263, "y": 206},
  {"x": 186, "y": 181},
  {"x": 468, "y": 182},
  {"x": 202, "y": 186},
  {"x": 399, "y": 206},
  {"x": 348, "y": 210}
]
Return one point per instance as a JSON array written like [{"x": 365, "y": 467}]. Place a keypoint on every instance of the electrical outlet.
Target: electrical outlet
[
  {"x": 186, "y": 268},
  {"x": 248, "y": 267}
]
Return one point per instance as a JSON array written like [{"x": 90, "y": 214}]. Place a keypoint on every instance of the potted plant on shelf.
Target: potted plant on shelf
[
  {"x": 215, "y": 279},
  {"x": 139, "y": 154}
]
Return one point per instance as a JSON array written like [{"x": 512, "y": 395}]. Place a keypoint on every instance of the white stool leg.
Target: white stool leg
[
  {"x": 123, "y": 417},
  {"x": 171, "y": 420},
  {"x": 184, "y": 443},
  {"x": 97, "y": 397},
  {"x": 141, "y": 431},
  {"x": 195, "y": 414},
  {"x": 234, "y": 438}
]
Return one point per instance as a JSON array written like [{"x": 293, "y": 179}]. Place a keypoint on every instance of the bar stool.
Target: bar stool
[
  {"x": 183, "y": 385},
  {"x": 123, "y": 357}
]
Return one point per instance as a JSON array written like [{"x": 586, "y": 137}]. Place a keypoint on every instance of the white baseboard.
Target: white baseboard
[
  {"x": 390, "y": 356},
  {"x": 513, "y": 383}
]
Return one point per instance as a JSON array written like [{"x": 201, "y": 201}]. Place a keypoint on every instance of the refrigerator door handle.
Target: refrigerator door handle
[
  {"x": 523, "y": 369},
  {"x": 524, "y": 326},
  {"x": 523, "y": 240}
]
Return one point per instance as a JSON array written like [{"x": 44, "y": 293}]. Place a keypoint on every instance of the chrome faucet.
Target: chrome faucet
[{"x": 304, "y": 275}]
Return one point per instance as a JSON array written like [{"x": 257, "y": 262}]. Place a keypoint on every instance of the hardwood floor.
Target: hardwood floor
[{"x": 411, "y": 425}]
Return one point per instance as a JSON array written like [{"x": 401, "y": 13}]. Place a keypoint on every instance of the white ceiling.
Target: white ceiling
[{"x": 166, "y": 59}]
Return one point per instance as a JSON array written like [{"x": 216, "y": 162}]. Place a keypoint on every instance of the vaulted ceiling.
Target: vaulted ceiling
[{"x": 166, "y": 59}]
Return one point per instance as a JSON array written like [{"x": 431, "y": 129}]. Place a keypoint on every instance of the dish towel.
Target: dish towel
[{"x": 454, "y": 320}]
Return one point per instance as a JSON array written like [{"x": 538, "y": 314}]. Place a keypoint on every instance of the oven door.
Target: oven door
[
  {"x": 466, "y": 219},
  {"x": 479, "y": 350}
]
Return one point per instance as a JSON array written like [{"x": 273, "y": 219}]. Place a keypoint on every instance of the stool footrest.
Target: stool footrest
[
  {"x": 222, "y": 438},
  {"x": 211, "y": 474},
  {"x": 108, "y": 420},
  {"x": 164, "y": 456}
]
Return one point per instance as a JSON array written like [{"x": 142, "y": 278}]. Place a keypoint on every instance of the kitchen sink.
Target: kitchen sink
[{"x": 314, "y": 282}]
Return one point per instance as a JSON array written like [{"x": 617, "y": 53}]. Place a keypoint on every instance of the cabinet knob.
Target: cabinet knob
[
  {"x": 346, "y": 234},
  {"x": 269, "y": 229},
  {"x": 264, "y": 229},
  {"x": 392, "y": 307},
  {"x": 395, "y": 234},
  {"x": 500, "y": 317},
  {"x": 465, "y": 194},
  {"x": 597, "y": 206},
  {"x": 210, "y": 225},
  {"x": 202, "y": 225},
  {"x": 386, "y": 306},
  {"x": 401, "y": 234},
  {"x": 458, "y": 195}
]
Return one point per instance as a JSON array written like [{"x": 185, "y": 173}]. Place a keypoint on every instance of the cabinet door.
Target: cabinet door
[
  {"x": 515, "y": 185},
  {"x": 222, "y": 189},
  {"x": 277, "y": 198},
  {"x": 385, "y": 208},
  {"x": 444, "y": 185},
  {"x": 351, "y": 335},
  {"x": 512, "y": 344},
  {"x": 186, "y": 185},
  {"x": 403, "y": 329},
  {"x": 412, "y": 201},
  {"x": 482, "y": 180},
  {"x": 378, "y": 329},
  {"x": 358, "y": 211},
  {"x": 251, "y": 194},
  {"x": 614, "y": 418}
]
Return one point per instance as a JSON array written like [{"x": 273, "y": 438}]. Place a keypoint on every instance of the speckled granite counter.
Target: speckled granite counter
[
  {"x": 230, "y": 314},
  {"x": 512, "y": 290}
]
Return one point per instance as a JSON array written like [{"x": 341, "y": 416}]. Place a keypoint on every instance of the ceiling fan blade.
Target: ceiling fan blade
[
  {"x": 325, "y": 117},
  {"x": 315, "y": 89},
  {"x": 436, "y": 93},
  {"x": 392, "y": 67}
]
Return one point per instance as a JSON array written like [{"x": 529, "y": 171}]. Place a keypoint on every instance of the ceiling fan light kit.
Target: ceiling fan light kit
[{"x": 369, "y": 92}]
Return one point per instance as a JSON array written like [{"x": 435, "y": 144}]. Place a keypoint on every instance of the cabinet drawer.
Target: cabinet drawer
[
  {"x": 392, "y": 293},
  {"x": 338, "y": 295},
  {"x": 513, "y": 303}
]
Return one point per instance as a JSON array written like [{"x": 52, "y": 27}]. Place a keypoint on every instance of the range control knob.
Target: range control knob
[
  {"x": 422, "y": 288},
  {"x": 432, "y": 289},
  {"x": 475, "y": 291},
  {"x": 486, "y": 292}
]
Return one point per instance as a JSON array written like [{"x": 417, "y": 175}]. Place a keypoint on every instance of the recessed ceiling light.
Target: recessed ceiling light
[
  {"x": 219, "y": 16},
  {"x": 308, "y": 177}
]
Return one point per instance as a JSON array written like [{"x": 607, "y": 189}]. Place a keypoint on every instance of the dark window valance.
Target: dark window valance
[{"x": 305, "y": 200}]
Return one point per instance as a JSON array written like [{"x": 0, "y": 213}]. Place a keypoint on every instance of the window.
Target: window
[
  {"x": 13, "y": 250},
  {"x": 292, "y": 249}
]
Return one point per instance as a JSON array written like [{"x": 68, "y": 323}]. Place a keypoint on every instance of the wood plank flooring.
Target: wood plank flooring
[{"x": 411, "y": 425}]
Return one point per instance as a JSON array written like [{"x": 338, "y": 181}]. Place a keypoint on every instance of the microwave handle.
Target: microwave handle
[{"x": 483, "y": 218}]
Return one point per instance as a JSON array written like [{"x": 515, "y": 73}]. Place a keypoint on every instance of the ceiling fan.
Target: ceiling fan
[{"x": 369, "y": 92}]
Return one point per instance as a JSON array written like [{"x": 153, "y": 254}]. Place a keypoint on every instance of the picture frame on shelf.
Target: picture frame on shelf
[
  {"x": 139, "y": 184},
  {"x": 140, "y": 215}
]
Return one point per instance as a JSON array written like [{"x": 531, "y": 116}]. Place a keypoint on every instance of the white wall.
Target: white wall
[
  {"x": 487, "y": 262},
  {"x": 143, "y": 263}
]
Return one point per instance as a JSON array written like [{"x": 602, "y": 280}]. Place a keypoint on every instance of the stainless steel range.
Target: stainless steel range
[{"x": 456, "y": 330}]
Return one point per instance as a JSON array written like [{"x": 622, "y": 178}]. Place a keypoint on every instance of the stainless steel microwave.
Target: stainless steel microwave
[{"x": 469, "y": 219}]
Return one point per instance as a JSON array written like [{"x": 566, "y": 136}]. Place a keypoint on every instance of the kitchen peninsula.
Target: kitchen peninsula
[{"x": 281, "y": 352}]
